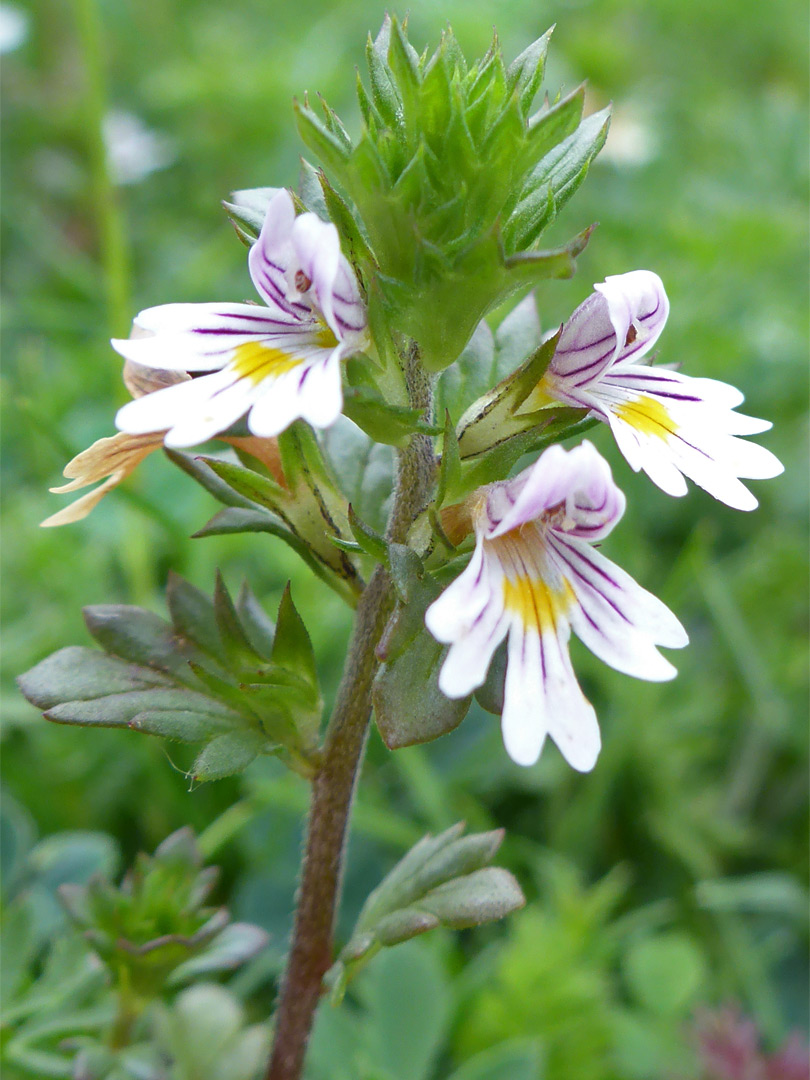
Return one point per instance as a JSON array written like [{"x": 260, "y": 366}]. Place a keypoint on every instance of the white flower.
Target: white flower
[
  {"x": 534, "y": 576},
  {"x": 134, "y": 151},
  {"x": 276, "y": 362},
  {"x": 668, "y": 424}
]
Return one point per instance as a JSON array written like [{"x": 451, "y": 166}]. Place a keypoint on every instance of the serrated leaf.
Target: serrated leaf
[
  {"x": 117, "y": 710},
  {"x": 317, "y": 136},
  {"x": 252, "y": 486},
  {"x": 260, "y": 688},
  {"x": 385, "y": 423},
  {"x": 564, "y": 167},
  {"x": 493, "y": 419},
  {"x": 182, "y": 725},
  {"x": 236, "y": 646},
  {"x": 482, "y": 896},
  {"x": 192, "y": 614},
  {"x": 309, "y": 190}
]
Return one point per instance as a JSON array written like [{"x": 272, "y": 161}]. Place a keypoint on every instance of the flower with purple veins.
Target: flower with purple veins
[
  {"x": 533, "y": 577},
  {"x": 277, "y": 363},
  {"x": 668, "y": 424}
]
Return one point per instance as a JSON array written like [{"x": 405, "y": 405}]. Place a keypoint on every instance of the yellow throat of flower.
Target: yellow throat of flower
[
  {"x": 647, "y": 415},
  {"x": 254, "y": 361},
  {"x": 535, "y": 603}
]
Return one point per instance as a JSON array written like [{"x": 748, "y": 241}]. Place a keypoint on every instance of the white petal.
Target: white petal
[
  {"x": 639, "y": 301},
  {"x": 203, "y": 337},
  {"x": 605, "y": 587},
  {"x": 523, "y": 723},
  {"x": 320, "y": 392},
  {"x": 162, "y": 409},
  {"x": 278, "y": 405},
  {"x": 469, "y": 658},
  {"x": 455, "y": 611},
  {"x": 579, "y": 478},
  {"x": 572, "y": 722},
  {"x": 222, "y": 409},
  {"x": 317, "y": 251}
]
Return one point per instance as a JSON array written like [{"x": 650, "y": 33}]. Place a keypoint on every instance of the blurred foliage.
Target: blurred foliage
[{"x": 679, "y": 866}]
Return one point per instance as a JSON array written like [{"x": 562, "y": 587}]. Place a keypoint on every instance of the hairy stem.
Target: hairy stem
[{"x": 333, "y": 785}]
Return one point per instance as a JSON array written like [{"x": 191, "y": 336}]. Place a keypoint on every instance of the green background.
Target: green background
[{"x": 674, "y": 875}]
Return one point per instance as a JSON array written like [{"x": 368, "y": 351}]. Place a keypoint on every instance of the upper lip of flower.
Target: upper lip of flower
[{"x": 292, "y": 347}]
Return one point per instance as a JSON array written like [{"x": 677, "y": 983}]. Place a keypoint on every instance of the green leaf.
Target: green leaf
[
  {"x": 470, "y": 376},
  {"x": 370, "y": 541},
  {"x": 251, "y": 485},
  {"x": 310, "y": 191},
  {"x": 329, "y": 149},
  {"x": 490, "y": 695},
  {"x": 192, "y": 614},
  {"x": 565, "y": 166},
  {"x": 203, "y": 1034},
  {"x": 517, "y": 337},
  {"x": 409, "y": 708},
  {"x": 237, "y": 649},
  {"x": 494, "y": 418},
  {"x": 383, "y": 422},
  {"x": 408, "y": 1008},
  {"x": 227, "y": 754},
  {"x": 256, "y": 625},
  {"x": 77, "y": 673},
  {"x": 365, "y": 470},
  {"x": 443, "y": 880},
  {"x": 292, "y": 647},
  {"x": 525, "y": 74},
  {"x": 198, "y": 469},
  {"x": 353, "y": 239},
  {"x": 248, "y": 688},
  {"x": 143, "y": 638}
]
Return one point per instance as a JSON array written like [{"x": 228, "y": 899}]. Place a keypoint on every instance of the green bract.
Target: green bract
[{"x": 442, "y": 199}]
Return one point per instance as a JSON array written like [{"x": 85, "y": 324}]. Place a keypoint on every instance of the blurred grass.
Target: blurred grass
[{"x": 702, "y": 782}]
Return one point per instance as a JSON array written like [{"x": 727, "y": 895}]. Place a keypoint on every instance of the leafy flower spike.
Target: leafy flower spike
[
  {"x": 668, "y": 424},
  {"x": 534, "y": 576},
  {"x": 278, "y": 362}
]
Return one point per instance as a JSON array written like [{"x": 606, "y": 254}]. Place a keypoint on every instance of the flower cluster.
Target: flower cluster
[{"x": 195, "y": 370}]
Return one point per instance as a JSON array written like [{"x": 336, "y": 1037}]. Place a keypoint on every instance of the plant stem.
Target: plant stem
[{"x": 334, "y": 784}]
